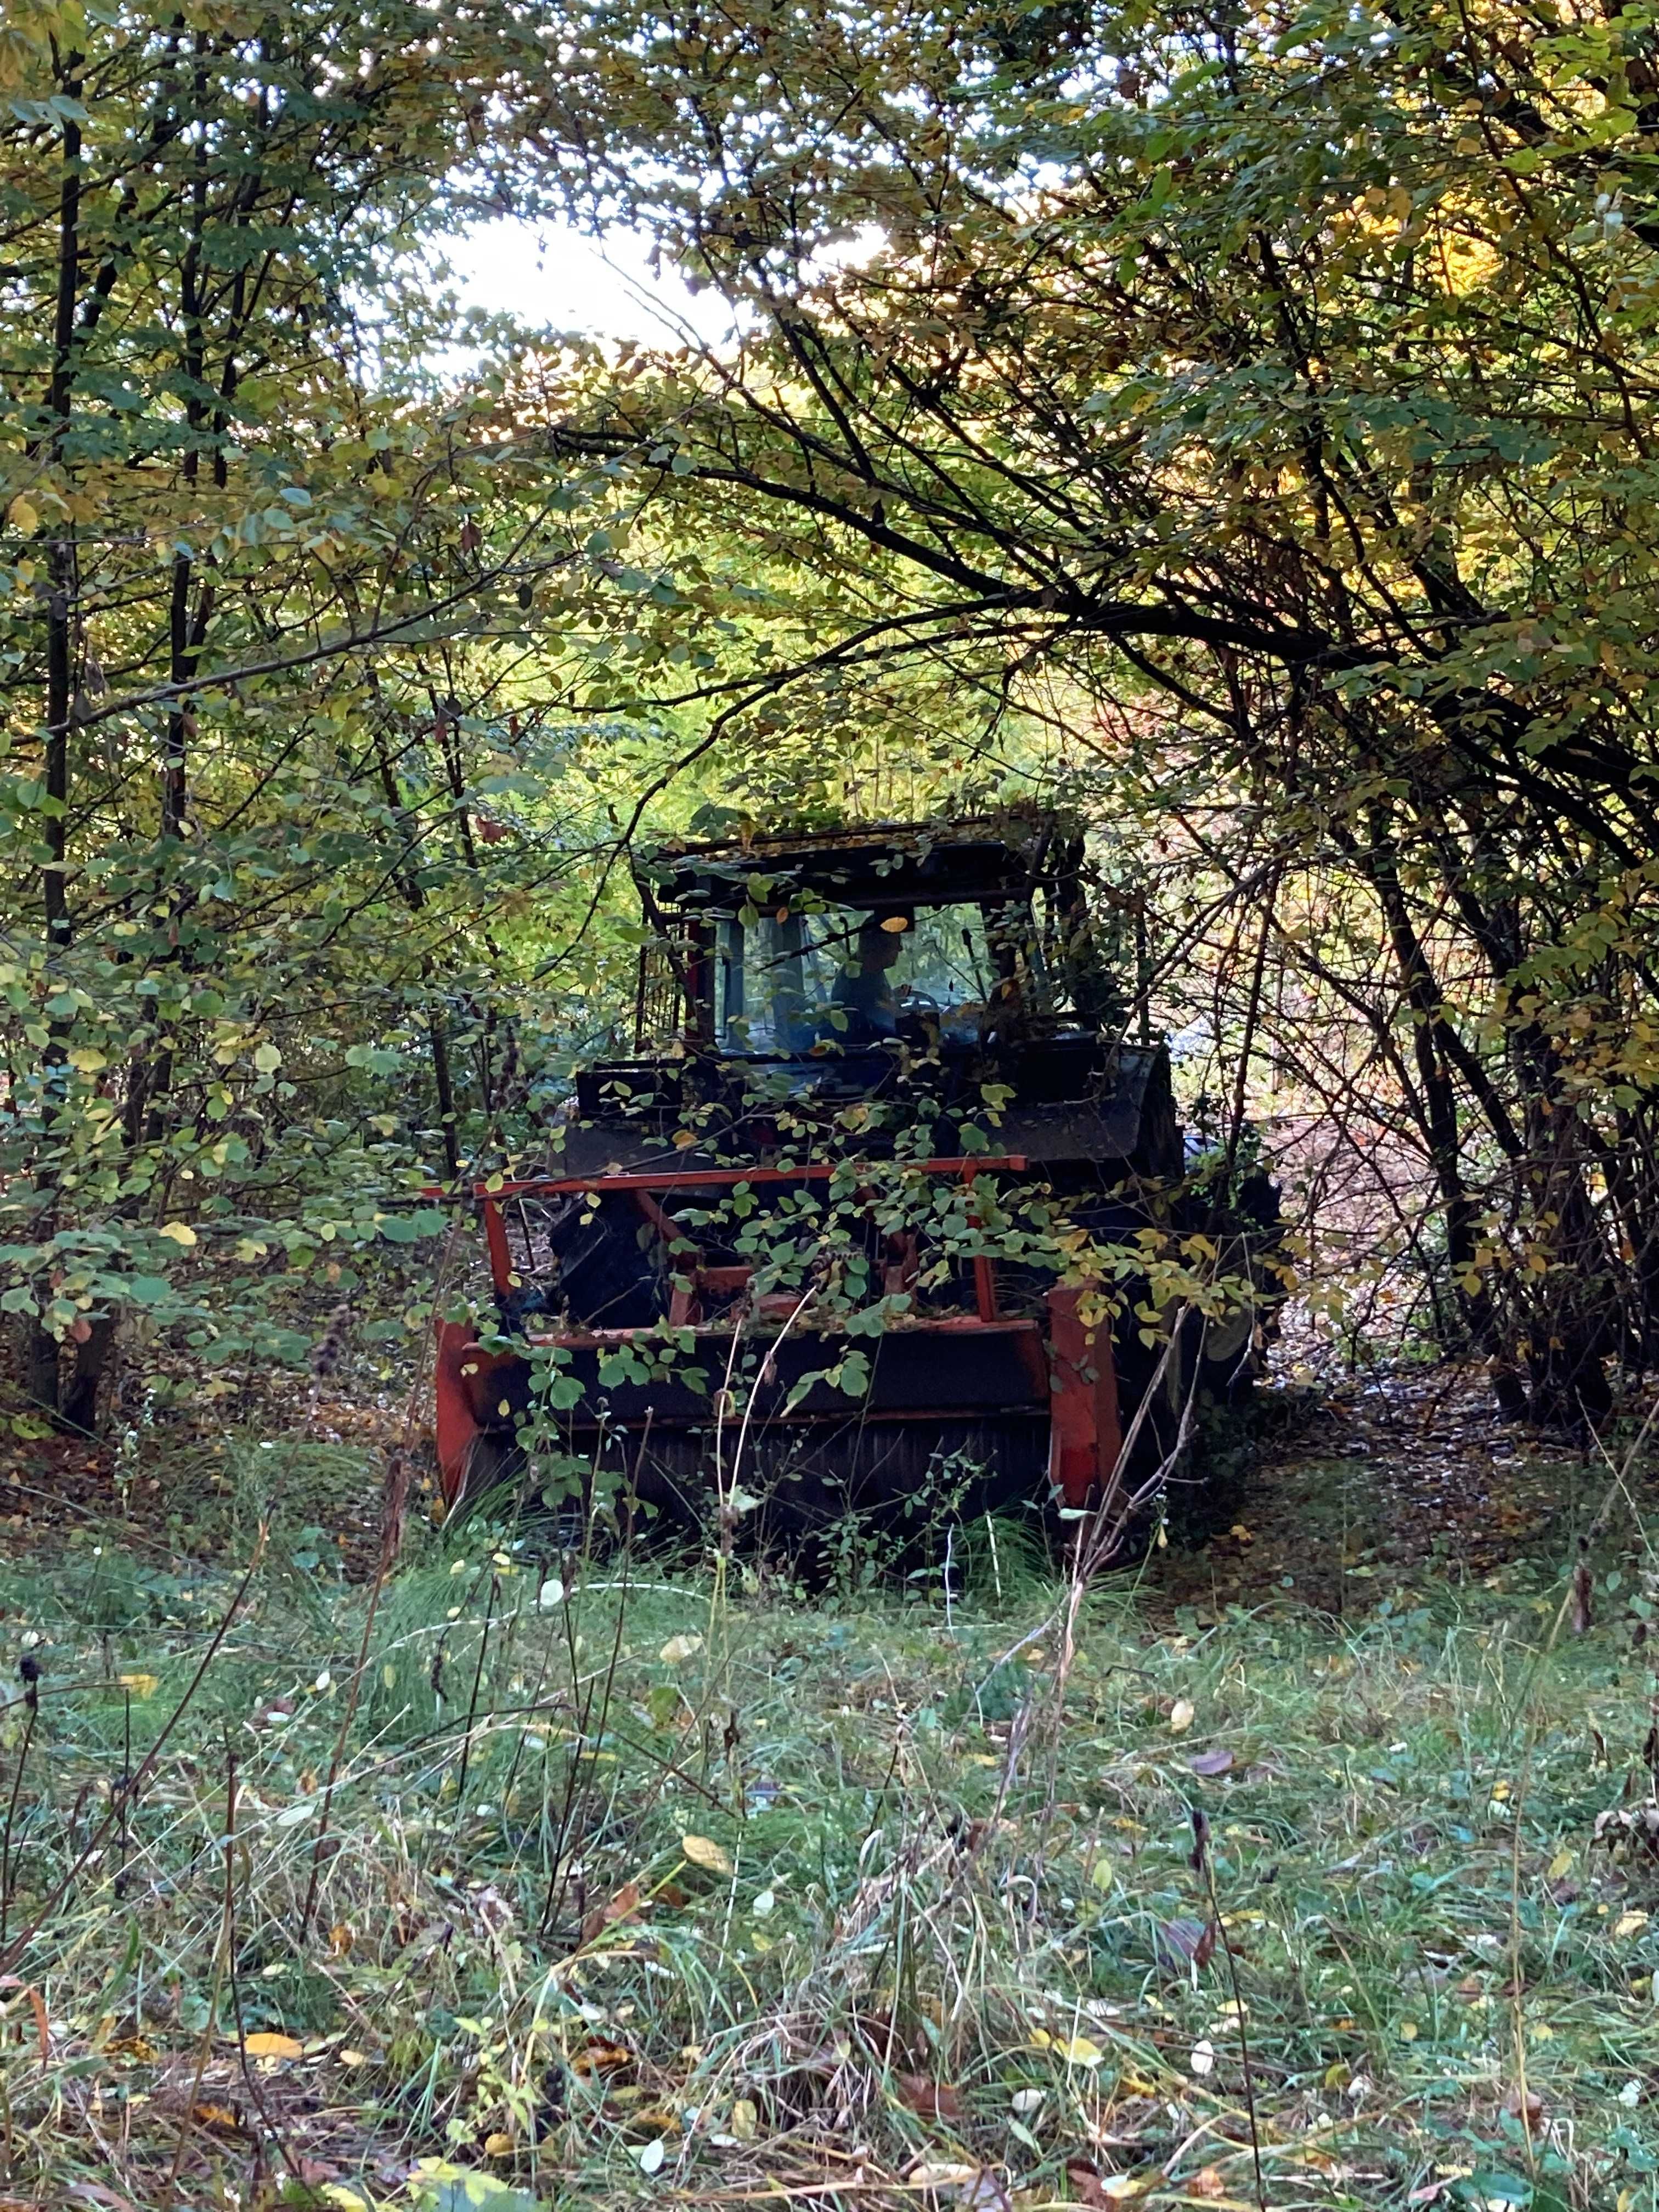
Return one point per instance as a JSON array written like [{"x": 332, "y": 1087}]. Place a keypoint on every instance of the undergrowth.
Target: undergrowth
[{"x": 634, "y": 1883}]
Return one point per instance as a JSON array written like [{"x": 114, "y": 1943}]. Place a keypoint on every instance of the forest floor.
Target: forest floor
[{"x": 637, "y": 1884}]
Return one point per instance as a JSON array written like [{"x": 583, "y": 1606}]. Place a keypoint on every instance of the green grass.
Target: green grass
[{"x": 695, "y": 1890}]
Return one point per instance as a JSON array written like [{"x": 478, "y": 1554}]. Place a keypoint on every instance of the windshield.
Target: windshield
[{"x": 849, "y": 975}]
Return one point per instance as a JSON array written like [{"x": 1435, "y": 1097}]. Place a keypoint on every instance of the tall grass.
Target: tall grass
[{"x": 640, "y": 1883}]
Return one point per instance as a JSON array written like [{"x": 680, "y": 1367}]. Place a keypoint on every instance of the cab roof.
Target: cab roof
[{"x": 880, "y": 865}]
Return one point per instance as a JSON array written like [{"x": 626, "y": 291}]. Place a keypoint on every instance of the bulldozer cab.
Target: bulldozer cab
[
  {"x": 956, "y": 941},
  {"x": 935, "y": 964}
]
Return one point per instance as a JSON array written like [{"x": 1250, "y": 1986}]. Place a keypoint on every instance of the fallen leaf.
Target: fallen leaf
[
  {"x": 178, "y": 1232},
  {"x": 656, "y": 2116},
  {"x": 1091, "y": 2187},
  {"x": 1630, "y": 1924},
  {"x": 679, "y": 1649},
  {"x": 704, "y": 1851},
  {"x": 649, "y": 2156},
  {"x": 1208, "y": 2181},
  {"x": 1583, "y": 1607},
  {"x": 265, "y": 2044},
  {"x": 934, "y": 2100},
  {"x": 596, "y": 2056},
  {"x": 744, "y": 2122},
  {"x": 1559, "y": 1865},
  {"x": 1211, "y": 1762},
  {"x": 1202, "y": 2057},
  {"x": 1527, "y": 2108},
  {"x": 1076, "y": 2050},
  {"x": 1182, "y": 1715},
  {"x": 974, "y": 2188},
  {"x": 498, "y": 2146},
  {"x": 217, "y": 2116},
  {"x": 1176, "y": 1940},
  {"x": 138, "y": 2048},
  {"x": 625, "y": 1905},
  {"x": 37, "y": 2005},
  {"x": 1085, "y": 2181}
]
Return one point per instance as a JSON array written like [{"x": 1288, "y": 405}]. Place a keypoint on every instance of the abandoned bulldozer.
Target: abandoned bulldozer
[{"x": 884, "y": 1207}]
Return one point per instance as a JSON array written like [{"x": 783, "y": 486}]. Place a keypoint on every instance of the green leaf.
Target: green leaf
[{"x": 437, "y": 2186}]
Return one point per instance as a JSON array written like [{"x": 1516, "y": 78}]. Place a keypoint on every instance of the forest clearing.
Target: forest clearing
[{"x": 828, "y": 1105}]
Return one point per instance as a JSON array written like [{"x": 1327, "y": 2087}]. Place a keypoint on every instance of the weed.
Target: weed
[{"x": 633, "y": 1878}]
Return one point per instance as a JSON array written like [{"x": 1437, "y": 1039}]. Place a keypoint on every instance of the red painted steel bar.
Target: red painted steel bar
[{"x": 689, "y": 1177}]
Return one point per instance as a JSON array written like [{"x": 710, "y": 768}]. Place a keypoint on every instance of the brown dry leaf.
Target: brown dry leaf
[
  {"x": 1176, "y": 1940},
  {"x": 972, "y": 2188},
  {"x": 220, "y": 2117},
  {"x": 268, "y": 2044},
  {"x": 1085, "y": 2179},
  {"x": 138, "y": 2048},
  {"x": 934, "y": 2100},
  {"x": 340, "y": 1940},
  {"x": 625, "y": 1905},
  {"x": 1208, "y": 2181},
  {"x": 1527, "y": 2108},
  {"x": 1583, "y": 1607},
  {"x": 704, "y": 1851},
  {"x": 37, "y": 2007},
  {"x": 598, "y": 2056}
]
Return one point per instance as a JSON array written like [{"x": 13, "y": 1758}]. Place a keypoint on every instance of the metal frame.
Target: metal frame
[{"x": 1070, "y": 1364}]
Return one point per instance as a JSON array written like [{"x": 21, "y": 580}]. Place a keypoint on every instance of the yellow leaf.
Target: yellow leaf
[
  {"x": 498, "y": 2146},
  {"x": 1076, "y": 2050},
  {"x": 267, "y": 2044},
  {"x": 180, "y": 1232},
  {"x": 1630, "y": 1924},
  {"x": 1408, "y": 2031},
  {"x": 745, "y": 2120},
  {"x": 679, "y": 1649},
  {"x": 141, "y": 1686},
  {"x": 704, "y": 1851},
  {"x": 23, "y": 515},
  {"x": 1559, "y": 1865},
  {"x": 1181, "y": 1718}
]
